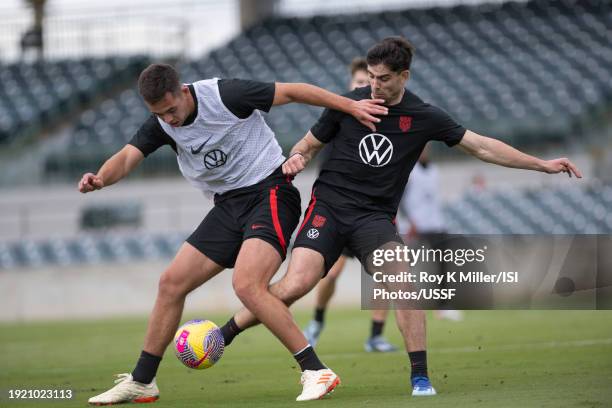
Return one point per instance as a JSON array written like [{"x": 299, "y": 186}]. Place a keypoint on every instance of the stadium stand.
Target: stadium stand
[
  {"x": 100, "y": 132},
  {"x": 493, "y": 67},
  {"x": 527, "y": 73},
  {"x": 583, "y": 210},
  {"x": 33, "y": 95},
  {"x": 90, "y": 249}
]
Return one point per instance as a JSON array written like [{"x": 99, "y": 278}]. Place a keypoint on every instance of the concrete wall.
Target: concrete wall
[{"x": 90, "y": 292}]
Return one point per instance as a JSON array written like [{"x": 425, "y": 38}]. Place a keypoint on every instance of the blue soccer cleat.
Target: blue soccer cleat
[
  {"x": 379, "y": 344},
  {"x": 312, "y": 332},
  {"x": 421, "y": 387}
]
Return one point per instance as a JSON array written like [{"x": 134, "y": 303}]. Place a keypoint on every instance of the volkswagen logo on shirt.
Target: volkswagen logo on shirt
[
  {"x": 214, "y": 158},
  {"x": 375, "y": 149}
]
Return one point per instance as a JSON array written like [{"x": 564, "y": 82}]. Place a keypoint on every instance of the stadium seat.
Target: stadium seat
[
  {"x": 514, "y": 211},
  {"x": 112, "y": 246},
  {"x": 42, "y": 93}
]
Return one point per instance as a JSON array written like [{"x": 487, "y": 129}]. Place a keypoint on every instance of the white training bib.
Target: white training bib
[{"x": 219, "y": 152}]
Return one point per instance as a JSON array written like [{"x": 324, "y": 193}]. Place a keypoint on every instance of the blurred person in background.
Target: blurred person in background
[
  {"x": 422, "y": 220},
  {"x": 224, "y": 147},
  {"x": 325, "y": 289}
]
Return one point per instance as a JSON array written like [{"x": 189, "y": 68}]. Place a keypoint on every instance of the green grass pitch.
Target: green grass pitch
[{"x": 492, "y": 359}]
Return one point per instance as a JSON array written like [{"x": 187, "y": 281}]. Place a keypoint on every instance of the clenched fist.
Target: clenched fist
[
  {"x": 294, "y": 164},
  {"x": 90, "y": 182}
]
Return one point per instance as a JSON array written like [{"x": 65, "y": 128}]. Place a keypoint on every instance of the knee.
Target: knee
[
  {"x": 170, "y": 287},
  {"x": 246, "y": 290}
]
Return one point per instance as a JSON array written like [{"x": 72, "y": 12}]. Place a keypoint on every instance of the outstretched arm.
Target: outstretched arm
[
  {"x": 362, "y": 110},
  {"x": 497, "y": 152},
  {"x": 301, "y": 154},
  {"x": 113, "y": 170}
]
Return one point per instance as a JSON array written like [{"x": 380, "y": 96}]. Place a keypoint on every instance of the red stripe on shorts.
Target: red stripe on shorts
[
  {"x": 276, "y": 221},
  {"x": 313, "y": 201}
]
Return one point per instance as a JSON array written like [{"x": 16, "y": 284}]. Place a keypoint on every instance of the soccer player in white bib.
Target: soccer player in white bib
[{"x": 223, "y": 148}]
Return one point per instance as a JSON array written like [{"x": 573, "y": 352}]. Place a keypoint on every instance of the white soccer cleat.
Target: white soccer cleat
[
  {"x": 127, "y": 390},
  {"x": 317, "y": 384}
]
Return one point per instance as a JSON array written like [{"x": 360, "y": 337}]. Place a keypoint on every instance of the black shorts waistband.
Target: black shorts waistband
[{"x": 277, "y": 177}]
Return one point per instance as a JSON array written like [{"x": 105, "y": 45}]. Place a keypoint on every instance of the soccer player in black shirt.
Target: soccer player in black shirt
[
  {"x": 326, "y": 287},
  {"x": 356, "y": 196}
]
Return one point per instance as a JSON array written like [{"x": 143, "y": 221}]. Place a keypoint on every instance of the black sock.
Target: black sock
[
  {"x": 377, "y": 328},
  {"x": 319, "y": 315},
  {"x": 229, "y": 331},
  {"x": 418, "y": 363},
  {"x": 146, "y": 368},
  {"x": 308, "y": 360}
]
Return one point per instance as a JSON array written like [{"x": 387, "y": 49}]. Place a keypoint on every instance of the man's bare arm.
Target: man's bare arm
[
  {"x": 113, "y": 170},
  {"x": 363, "y": 110},
  {"x": 495, "y": 151},
  {"x": 301, "y": 154}
]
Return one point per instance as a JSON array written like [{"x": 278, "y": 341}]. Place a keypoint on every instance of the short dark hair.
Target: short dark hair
[
  {"x": 156, "y": 80},
  {"x": 358, "y": 64},
  {"x": 395, "y": 52}
]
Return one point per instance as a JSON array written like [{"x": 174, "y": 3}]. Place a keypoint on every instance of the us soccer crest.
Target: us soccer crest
[
  {"x": 318, "y": 221},
  {"x": 405, "y": 123}
]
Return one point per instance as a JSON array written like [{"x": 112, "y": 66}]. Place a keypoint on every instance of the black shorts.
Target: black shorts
[
  {"x": 330, "y": 231},
  {"x": 269, "y": 210},
  {"x": 347, "y": 253}
]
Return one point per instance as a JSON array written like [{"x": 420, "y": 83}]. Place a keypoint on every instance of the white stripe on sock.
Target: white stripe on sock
[{"x": 308, "y": 345}]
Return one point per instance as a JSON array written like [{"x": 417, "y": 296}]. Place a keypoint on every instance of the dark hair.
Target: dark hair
[
  {"x": 156, "y": 80},
  {"x": 358, "y": 64},
  {"x": 395, "y": 52}
]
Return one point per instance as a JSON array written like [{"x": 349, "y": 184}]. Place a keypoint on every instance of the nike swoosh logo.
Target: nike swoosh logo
[
  {"x": 197, "y": 363},
  {"x": 199, "y": 149}
]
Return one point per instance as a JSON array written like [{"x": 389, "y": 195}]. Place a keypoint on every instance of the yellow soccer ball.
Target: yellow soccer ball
[{"x": 198, "y": 344}]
